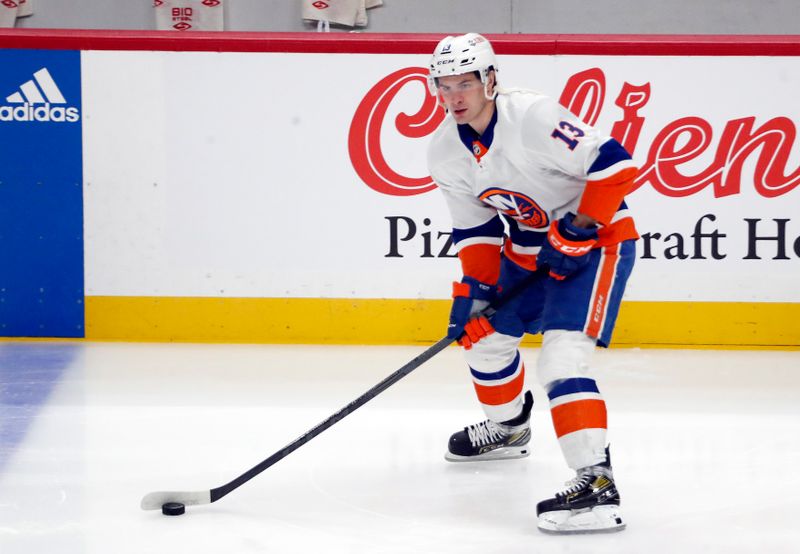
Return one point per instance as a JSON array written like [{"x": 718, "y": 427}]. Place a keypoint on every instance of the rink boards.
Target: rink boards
[{"x": 282, "y": 195}]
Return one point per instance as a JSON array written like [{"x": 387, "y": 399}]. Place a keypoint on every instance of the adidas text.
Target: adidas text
[{"x": 43, "y": 113}]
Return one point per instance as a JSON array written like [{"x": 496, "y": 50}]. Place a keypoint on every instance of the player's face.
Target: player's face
[{"x": 463, "y": 96}]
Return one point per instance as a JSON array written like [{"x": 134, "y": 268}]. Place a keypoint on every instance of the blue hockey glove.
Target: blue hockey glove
[
  {"x": 567, "y": 247},
  {"x": 470, "y": 296}
]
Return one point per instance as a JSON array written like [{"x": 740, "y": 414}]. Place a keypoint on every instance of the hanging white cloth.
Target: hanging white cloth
[
  {"x": 9, "y": 11},
  {"x": 190, "y": 15},
  {"x": 25, "y": 8},
  {"x": 351, "y": 13}
]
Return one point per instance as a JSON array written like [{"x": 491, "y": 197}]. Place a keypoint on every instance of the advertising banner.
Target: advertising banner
[
  {"x": 249, "y": 187},
  {"x": 304, "y": 175},
  {"x": 41, "y": 194}
]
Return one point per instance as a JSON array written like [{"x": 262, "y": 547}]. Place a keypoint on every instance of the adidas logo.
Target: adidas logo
[{"x": 39, "y": 99}]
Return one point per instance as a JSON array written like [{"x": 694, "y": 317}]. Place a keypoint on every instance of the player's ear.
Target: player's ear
[{"x": 492, "y": 81}]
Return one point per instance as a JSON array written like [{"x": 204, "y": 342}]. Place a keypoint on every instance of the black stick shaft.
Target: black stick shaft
[{"x": 219, "y": 492}]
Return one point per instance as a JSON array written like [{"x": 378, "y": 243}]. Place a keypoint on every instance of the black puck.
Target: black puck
[{"x": 173, "y": 509}]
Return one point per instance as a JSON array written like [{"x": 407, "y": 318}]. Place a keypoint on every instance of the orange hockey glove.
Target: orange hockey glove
[{"x": 470, "y": 297}]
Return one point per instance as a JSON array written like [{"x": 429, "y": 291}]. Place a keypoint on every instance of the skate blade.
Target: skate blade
[
  {"x": 600, "y": 519},
  {"x": 507, "y": 453}
]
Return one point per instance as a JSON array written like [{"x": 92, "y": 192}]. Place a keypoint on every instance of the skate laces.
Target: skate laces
[
  {"x": 576, "y": 484},
  {"x": 582, "y": 479},
  {"x": 484, "y": 433}
]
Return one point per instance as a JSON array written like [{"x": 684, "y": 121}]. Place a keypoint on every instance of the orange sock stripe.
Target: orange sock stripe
[
  {"x": 581, "y": 414},
  {"x": 501, "y": 394}
]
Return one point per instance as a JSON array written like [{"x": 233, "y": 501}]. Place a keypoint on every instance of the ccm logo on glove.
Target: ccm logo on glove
[{"x": 567, "y": 248}]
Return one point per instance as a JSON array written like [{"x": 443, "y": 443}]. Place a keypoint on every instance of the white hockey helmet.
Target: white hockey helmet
[{"x": 459, "y": 55}]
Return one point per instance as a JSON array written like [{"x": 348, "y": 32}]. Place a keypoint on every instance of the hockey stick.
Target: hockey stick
[{"x": 156, "y": 500}]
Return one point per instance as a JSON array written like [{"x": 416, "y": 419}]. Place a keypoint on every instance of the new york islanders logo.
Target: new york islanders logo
[{"x": 516, "y": 205}]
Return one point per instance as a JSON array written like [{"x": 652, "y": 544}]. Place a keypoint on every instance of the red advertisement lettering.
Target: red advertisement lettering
[
  {"x": 678, "y": 143},
  {"x": 630, "y": 99},
  {"x": 589, "y": 84},
  {"x": 773, "y": 140},
  {"x": 364, "y": 141}
]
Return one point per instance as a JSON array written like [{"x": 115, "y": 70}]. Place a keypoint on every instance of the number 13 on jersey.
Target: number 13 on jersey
[{"x": 570, "y": 139}]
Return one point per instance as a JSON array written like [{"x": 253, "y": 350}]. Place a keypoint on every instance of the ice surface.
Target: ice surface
[{"x": 705, "y": 447}]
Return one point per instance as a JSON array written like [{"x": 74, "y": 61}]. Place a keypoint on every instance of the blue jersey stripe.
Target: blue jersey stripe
[
  {"x": 524, "y": 238},
  {"x": 611, "y": 152},
  {"x": 571, "y": 386},
  {"x": 507, "y": 371},
  {"x": 492, "y": 228},
  {"x": 468, "y": 135}
]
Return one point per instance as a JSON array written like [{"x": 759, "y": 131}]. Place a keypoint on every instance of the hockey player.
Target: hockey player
[{"x": 536, "y": 196}]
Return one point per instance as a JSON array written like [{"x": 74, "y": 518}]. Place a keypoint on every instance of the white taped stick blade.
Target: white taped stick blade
[
  {"x": 155, "y": 500},
  {"x": 600, "y": 519}
]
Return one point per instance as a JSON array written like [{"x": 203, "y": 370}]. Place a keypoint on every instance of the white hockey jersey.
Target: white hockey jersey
[{"x": 535, "y": 162}]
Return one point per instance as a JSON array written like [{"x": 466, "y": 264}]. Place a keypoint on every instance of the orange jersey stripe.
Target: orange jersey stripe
[
  {"x": 599, "y": 304},
  {"x": 581, "y": 414},
  {"x": 501, "y": 394},
  {"x": 481, "y": 262},
  {"x": 528, "y": 261},
  {"x": 601, "y": 199},
  {"x": 621, "y": 230}
]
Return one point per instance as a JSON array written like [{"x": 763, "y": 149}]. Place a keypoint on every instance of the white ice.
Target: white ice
[{"x": 705, "y": 444}]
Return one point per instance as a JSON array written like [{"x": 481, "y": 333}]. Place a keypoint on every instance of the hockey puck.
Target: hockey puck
[{"x": 173, "y": 509}]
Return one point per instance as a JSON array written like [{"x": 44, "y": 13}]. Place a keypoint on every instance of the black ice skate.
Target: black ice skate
[
  {"x": 488, "y": 440},
  {"x": 589, "y": 504}
]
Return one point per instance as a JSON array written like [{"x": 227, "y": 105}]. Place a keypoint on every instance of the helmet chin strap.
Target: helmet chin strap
[
  {"x": 485, "y": 80},
  {"x": 486, "y": 92}
]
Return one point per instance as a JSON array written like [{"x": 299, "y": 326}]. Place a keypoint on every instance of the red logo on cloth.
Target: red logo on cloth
[
  {"x": 9, "y": 4},
  {"x": 320, "y": 5},
  {"x": 211, "y": 3},
  {"x": 157, "y": 3},
  {"x": 364, "y": 140},
  {"x": 182, "y": 26}
]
